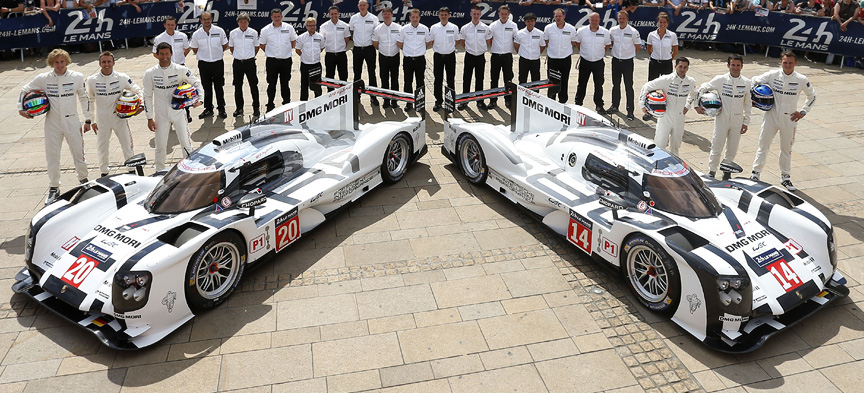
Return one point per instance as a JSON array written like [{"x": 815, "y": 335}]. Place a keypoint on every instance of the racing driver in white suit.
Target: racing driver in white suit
[
  {"x": 103, "y": 89},
  {"x": 61, "y": 86},
  {"x": 733, "y": 119},
  {"x": 783, "y": 116},
  {"x": 159, "y": 84},
  {"x": 680, "y": 91}
]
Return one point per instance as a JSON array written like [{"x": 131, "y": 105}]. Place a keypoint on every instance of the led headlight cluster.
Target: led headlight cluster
[
  {"x": 729, "y": 288},
  {"x": 130, "y": 290}
]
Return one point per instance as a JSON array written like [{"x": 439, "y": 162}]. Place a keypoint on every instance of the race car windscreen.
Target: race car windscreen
[
  {"x": 181, "y": 191},
  {"x": 683, "y": 195}
]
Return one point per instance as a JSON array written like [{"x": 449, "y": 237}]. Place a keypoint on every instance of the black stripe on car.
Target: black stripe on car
[
  {"x": 116, "y": 188},
  {"x": 733, "y": 222},
  {"x": 744, "y": 201},
  {"x": 64, "y": 291},
  {"x": 141, "y": 223}
]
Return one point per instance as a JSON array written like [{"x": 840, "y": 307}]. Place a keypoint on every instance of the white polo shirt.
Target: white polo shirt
[
  {"x": 210, "y": 45},
  {"x": 530, "y": 43},
  {"x": 179, "y": 43},
  {"x": 277, "y": 40},
  {"x": 592, "y": 44},
  {"x": 386, "y": 37},
  {"x": 475, "y": 37},
  {"x": 662, "y": 47},
  {"x": 503, "y": 36},
  {"x": 445, "y": 38},
  {"x": 243, "y": 42},
  {"x": 560, "y": 40},
  {"x": 334, "y": 34},
  {"x": 310, "y": 47},
  {"x": 624, "y": 42},
  {"x": 414, "y": 40},
  {"x": 362, "y": 28}
]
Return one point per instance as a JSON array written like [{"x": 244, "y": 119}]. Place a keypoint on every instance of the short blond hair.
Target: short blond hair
[
  {"x": 55, "y": 53},
  {"x": 311, "y": 19}
]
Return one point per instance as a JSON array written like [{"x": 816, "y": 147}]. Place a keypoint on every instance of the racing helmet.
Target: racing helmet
[
  {"x": 762, "y": 97},
  {"x": 710, "y": 103},
  {"x": 184, "y": 96},
  {"x": 655, "y": 102},
  {"x": 128, "y": 105},
  {"x": 36, "y": 103}
]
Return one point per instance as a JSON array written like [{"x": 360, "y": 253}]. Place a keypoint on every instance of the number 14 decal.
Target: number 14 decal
[
  {"x": 784, "y": 275},
  {"x": 579, "y": 231}
]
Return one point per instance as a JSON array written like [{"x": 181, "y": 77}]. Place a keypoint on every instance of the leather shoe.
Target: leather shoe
[
  {"x": 481, "y": 105},
  {"x": 256, "y": 114},
  {"x": 491, "y": 105},
  {"x": 374, "y": 101},
  {"x": 223, "y": 115},
  {"x": 409, "y": 107},
  {"x": 462, "y": 107},
  {"x": 386, "y": 104},
  {"x": 436, "y": 108},
  {"x": 207, "y": 113},
  {"x": 237, "y": 113}
]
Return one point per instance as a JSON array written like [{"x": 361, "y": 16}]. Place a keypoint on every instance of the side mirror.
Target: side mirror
[
  {"x": 612, "y": 201},
  {"x": 249, "y": 201},
  {"x": 729, "y": 169},
  {"x": 137, "y": 161}
]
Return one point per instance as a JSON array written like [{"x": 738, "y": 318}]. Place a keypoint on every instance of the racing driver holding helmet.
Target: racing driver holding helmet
[{"x": 159, "y": 84}]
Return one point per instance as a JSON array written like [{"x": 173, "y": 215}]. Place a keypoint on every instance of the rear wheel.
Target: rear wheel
[
  {"x": 471, "y": 159},
  {"x": 652, "y": 275},
  {"x": 396, "y": 159},
  {"x": 214, "y": 271}
]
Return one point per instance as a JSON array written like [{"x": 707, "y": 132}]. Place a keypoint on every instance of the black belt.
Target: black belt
[
  {"x": 502, "y": 54},
  {"x": 245, "y": 60},
  {"x": 414, "y": 57},
  {"x": 211, "y": 62}
]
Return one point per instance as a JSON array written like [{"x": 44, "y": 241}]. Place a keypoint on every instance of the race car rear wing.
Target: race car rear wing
[
  {"x": 451, "y": 99},
  {"x": 534, "y": 111},
  {"x": 418, "y": 98}
]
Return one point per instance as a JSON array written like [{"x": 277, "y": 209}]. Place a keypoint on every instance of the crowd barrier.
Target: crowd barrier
[{"x": 124, "y": 22}]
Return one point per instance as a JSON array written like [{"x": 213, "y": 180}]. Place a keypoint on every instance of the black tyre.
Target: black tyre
[
  {"x": 652, "y": 275},
  {"x": 471, "y": 159},
  {"x": 214, "y": 271},
  {"x": 396, "y": 159}
]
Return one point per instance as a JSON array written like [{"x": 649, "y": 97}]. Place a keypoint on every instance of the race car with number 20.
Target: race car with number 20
[
  {"x": 732, "y": 261},
  {"x": 131, "y": 258}
]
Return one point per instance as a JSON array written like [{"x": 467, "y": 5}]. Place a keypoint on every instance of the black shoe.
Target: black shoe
[
  {"x": 491, "y": 105},
  {"x": 53, "y": 195},
  {"x": 270, "y": 107},
  {"x": 409, "y": 107},
  {"x": 712, "y": 174},
  {"x": 386, "y": 104},
  {"x": 82, "y": 181},
  {"x": 394, "y": 104},
  {"x": 600, "y": 110},
  {"x": 482, "y": 105},
  {"x": 103, "y": 174},
  {"x": 188, "y": 118},
  {"x": 374, "y": 101},
  {"x": 436, "y": 108},
  {"x": 256, "y": 114},
  {"x": 223, "y": 115},
  {"x": 612, "y": 109},
  {"x": 630, "y": 117},
  {"x": 237, "y": 113},
  {"x": 506, "y": 102},
  {"x": 207, "y": 113},
  {"x": 462, "y": 107},
  {"x": 646, "y": 117}
]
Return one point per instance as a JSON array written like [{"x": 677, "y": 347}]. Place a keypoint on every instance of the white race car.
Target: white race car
[
  {"x": 131, "y": 258},
  {"x": 732, "y": 262}
]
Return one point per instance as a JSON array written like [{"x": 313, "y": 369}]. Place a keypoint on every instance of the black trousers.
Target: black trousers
[
  {"x": 501, "y": 62},
  {"x": 441, "y": 63},
  {"x": 560, "y": 67},
  {"x": 213, "y": 78},
  {"x": 528, "y": 66},
  {"x": 246, "y": 68},
  {"x": 334, "y": 61},
  {"x": 310, "y": 74},
  {"x": 389, "y": 72},
  {"x": 588, "y": 69},
  {"x": 365, "y": 54},
  {"x": 414, "y": 69},
  {"x": 622, "y": 69},
  {"x": 474, "y": 66},
  {"x": 278, "y": 69},
  {"x": 656, "y": 68}
]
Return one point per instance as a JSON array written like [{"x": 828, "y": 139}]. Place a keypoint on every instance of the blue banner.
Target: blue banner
[{"x": 775, "y": 29}]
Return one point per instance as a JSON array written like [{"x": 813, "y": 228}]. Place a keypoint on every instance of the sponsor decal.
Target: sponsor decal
[
  {"x": 793, "y": 247},
  {"x": 117, "y": 235},
  {"x": 316, "y": 197},
  {"x": 572, "y": 159},
  {"x": 355, "y": 185},
  {"x": 289, "y": 115},
  {"x": 609, "y": 247},
  {"x": 287, "y": 229},
  {"x": 319, "y": 110},
  {"x": 226, "y": 202},
  {"x": 760, "y": 245},
  {"x": 522, "y": 192},
  {"x": 694, "y": 301},
  {"x": 127, "y": 316},
  {"x": 555, "y": 114},
  {"x": 784, "y": 274},
  {"x": 642, "y": 206},
  {"x": 733, "y": 318},
  {"x": 662, "y": 305},
  {"x": 78, "y": 271},
  {"x": 101, "y": 294},
  {"x": 554, "y": 202},
  {"x": 746, "y": 240},
  {"x": 678, "y": 170},
  {"x": 257, "y": 244},
  {"x": 70, "y": 243},
  {"x": 109, "y": 243},
  {"x": 55, "y": 256},
  {"x": 760, "y": 299},
  {"x": 168, "y": 300},
  {"x": 96, "y": 252},
  {"x": 579, "y": 232},
  {"x": 768, "y": 258}
]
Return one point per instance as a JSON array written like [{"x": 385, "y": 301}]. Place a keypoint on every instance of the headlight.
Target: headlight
[
  {"x": 832, "y": 249},
  {"x": 130, "y": 290},
  {"x": 729, "y": 289}
]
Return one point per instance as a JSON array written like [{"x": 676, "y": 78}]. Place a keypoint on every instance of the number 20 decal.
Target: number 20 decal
[
  {"x": 79, "y": 270},
  {"x": 287, "y": 229}
]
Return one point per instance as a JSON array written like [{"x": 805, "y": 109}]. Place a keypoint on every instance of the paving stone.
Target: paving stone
[
  {"x": 424, "y": 277},
  {"x": 344, "y": 330},
  {"x": 373, "y": 283},
  {"x": 196, "y": 349},
  {"x": 552, "y": 349},
  {"x": 99, "y": 381},
  {"x": 524, "y": 304},
  {"x": 409, "y": 373},
  {"x": 252, "y": 342},
  {"x": 149, "y": 355},
  {"x": 520, "y": 329},
  {"x": 741, "y": 374},
  {"x": 234, "y": 321},
  {"x": 578, "y": 373},
  {"x": 316, "y": 311},
  {"x": 458, "y": 365},
  {"x": 437, "y": 317},
  {"x": 854, "y": 348},
  {"x": 26, "y": 371},
  {"x": 201, "y": 375},
  {"x": 458, "y": 273},
  {"x": 425, "y": 247},
  {"x": 441, "y": 341},
  {"x": 269, "y": 366},
  {"x": 353, "y": 382},
  {"x": 512, "y": 379},
  {"x": 592, "y": 342},
  {"x": 469, "y": 291},
  {"x": 825, "y": 356},
  {"x": 435, "y": 386},
  {"x": 86, "y": 363},
  {"x": 340, "y": 356},
  {"x": 478, "y": 311},
  {"x": 846, "y": 377},
  {"x": 811, "y": 381},
  {"x": 316, "y": 385},
  {"x": 502, "y": 238},
  {"x": 535, "y": 282},
  {"x": 46, "y": 344},
  {"x": 285, "y": 338},
  {"x": 395, "y": 301},
  {"x": 391, "y": 324},
  {"x": 362, "y": 254},
  {"x": 506, "y": 357}
]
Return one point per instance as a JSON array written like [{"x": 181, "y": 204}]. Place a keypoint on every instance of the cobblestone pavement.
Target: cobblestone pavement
[{"x": 433, "y": 285}]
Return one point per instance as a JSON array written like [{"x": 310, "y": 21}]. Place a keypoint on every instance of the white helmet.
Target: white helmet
[
  {"x": 710, "y": 103},
  {"x": 655, "y": 102}
]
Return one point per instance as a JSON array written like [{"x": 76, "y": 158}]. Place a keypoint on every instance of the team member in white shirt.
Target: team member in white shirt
[
  {"x": 277, "y": 41},
  {"x": 503, "y": 35},
  {"x": 592, "y": 41},
  {"x": 179, "y": 43},
  {"x": 680, "y": 91},
  {"x": 159, "y": 84},
  {"x": 414, "y": 39},
  {"x": 362, "y": 26},
  {"x": 309, "y": 47},
  {"x": 336, "y": 34},
  {"x": 529, "y": 44},
  {"x": 61, "y": 85},
  {"x": 444, "y": 36},
  {"x": 209, "y": 43},
  {"x": 626, "y": 42},
  {"x": 476, "y": 38},
  {"x": 560, "y": 37},
  {"x": 385, "y": 39},
  {"x": 243, "y": 42},
  {"x": 103, "y": 89},
  {"x": 662, "y": 46}
]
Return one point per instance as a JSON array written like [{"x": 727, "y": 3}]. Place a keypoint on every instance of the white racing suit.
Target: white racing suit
[
  {"x": 159, "y": 85},
  {"x": 103, "y": 91},
  {"x": 61, "y": 121},
  {"x": 680, "y": 92},
  {"x": 786, "y": 89},
  {"x": 735, "y": 96}
]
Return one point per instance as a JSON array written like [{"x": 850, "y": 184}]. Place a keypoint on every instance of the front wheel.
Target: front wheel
[
  {"x": 214, "y": 271},
  {"x": 471, "y": 159},
  {"x": 652, "y": 275},
  {"x": 396, "y": 159}
]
